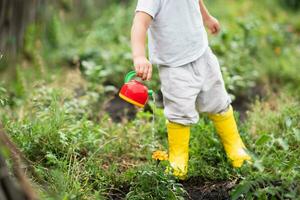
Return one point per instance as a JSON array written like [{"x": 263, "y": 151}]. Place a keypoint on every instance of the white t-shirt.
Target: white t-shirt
[{"x": 177, "y": 35}]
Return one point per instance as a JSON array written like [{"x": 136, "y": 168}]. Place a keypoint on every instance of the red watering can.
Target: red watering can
[{"x": 134, "y": 92}]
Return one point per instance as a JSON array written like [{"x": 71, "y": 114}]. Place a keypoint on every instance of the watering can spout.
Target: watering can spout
[
  {"x": 150, "y": 93},
  {"x": 134, "y": 91}
]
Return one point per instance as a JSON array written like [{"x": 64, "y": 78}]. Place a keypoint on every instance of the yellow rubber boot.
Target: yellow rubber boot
[
  {"x": 178, "y": 137},
  {"x": 228, "y": 132}
]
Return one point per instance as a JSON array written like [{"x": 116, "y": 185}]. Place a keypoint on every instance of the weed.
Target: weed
[
  {"x": 155, "y": 184},
  {"x": 54, "y": 114}
]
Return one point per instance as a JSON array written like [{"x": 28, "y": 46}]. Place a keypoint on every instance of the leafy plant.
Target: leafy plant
[
  {"x": 293, "y": 4},
  {"x": 78, "y": 152},
  {"x": 275, "y": 131},
  {"x": 3, "y": 96},
  {"x": 154, "y": 184}
]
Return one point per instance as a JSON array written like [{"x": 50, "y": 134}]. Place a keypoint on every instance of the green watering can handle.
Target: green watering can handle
[{"x": 130, "y": 75}]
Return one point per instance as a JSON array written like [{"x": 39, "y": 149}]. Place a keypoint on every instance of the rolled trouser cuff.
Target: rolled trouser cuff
[
  {"x": 175, "y": 125},
  {"x": 222, "y": 116}
]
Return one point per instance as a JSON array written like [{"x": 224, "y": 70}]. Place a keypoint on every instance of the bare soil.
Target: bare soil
[
  {"x": 119, "y": 110},
  {"x": 198, "y": 189}
]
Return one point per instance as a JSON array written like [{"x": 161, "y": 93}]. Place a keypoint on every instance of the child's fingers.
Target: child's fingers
[
  {"x": 149, "y": 73},
  {"x": 214, "y": 29},
  {"x": 217, "y": 27},
  {"x": 137, "y": 69},
  {"x": 145, "y": 72},
  {"x": 140, "y": 71}
]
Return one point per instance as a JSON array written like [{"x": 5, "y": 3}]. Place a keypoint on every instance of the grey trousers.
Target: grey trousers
[{"x": 193, "y": 88}]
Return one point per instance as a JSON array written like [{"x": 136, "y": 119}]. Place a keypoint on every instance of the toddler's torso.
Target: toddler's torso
[{"x": 177, "y": 35}]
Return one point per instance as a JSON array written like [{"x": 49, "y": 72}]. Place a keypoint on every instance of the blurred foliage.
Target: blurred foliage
[
  {"x": 293, "y": 4},
  {"x": 3, "y": 96},
  {"x": 74, "y": 59}
]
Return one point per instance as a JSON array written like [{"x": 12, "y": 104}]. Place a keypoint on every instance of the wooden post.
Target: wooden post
[{"x": 9, "y": 189}]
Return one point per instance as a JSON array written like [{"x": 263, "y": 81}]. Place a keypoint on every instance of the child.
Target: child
[{"x": 189, "y": 72}]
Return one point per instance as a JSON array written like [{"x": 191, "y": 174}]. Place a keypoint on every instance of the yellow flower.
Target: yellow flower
[{"x": 160, "y": 155}]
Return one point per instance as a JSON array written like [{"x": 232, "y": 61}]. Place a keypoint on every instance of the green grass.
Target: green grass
[
  {"x": 55, "y": 114},
  {"x": 273, "y": 128},
  {"x": 77, "y": 156}
]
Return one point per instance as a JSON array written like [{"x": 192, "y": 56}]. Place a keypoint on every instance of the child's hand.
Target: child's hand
[
  {"x": 143, "y": 67},
  {"x": 212, "y": 24}
]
